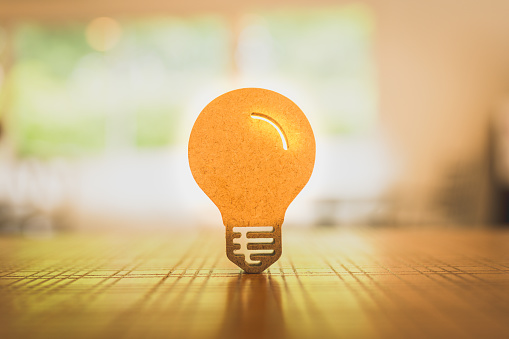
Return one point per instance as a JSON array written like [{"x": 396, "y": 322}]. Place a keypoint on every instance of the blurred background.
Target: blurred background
[{"x": 409, "y": 101}]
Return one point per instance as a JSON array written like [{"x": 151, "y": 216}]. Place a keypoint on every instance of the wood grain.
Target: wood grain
[{"x": 335, "y": 283}]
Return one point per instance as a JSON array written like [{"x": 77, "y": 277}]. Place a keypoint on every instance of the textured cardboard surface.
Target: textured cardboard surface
[{"x": 240, "y": 162}]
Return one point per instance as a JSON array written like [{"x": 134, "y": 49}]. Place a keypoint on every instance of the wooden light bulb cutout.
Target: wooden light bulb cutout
[{"x": 252, "y": 151}]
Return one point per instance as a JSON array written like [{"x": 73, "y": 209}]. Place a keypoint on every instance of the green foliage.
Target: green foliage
[
  {"x": 155, "y": 127},
  {"x": 328, "y": 53},
  {"x": 69, "y": 100}
]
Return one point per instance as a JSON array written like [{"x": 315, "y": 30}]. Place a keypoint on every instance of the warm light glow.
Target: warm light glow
[
  {"x": 273, "y": 123},
  {"x": 1, "y": 76},
  {"x": 103, "y": 33}
]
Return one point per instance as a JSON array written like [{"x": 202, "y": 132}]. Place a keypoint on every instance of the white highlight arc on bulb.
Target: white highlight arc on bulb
[{"x": 273, "y": 123}]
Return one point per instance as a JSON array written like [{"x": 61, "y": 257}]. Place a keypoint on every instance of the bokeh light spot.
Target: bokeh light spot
[{"x": 103, "y": 33}]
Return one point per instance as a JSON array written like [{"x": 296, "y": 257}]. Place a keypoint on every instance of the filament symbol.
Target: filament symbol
[{"x": 244, "y": 241}]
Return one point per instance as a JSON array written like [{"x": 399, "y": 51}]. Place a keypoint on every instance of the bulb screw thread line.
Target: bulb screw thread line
[{"x": 253, "y": 248}]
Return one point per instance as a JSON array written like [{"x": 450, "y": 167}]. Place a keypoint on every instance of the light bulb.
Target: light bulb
[{"x": 252, "y": 151}]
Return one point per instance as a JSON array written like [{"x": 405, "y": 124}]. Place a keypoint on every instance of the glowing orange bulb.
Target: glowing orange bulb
[{"x": 252, "y": 151}]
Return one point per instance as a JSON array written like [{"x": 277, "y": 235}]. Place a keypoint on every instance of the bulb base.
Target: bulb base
[{"x": 253, "y": 248}]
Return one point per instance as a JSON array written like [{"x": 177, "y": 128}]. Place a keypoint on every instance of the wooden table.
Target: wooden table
[{"x": 329, "y": 283}]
